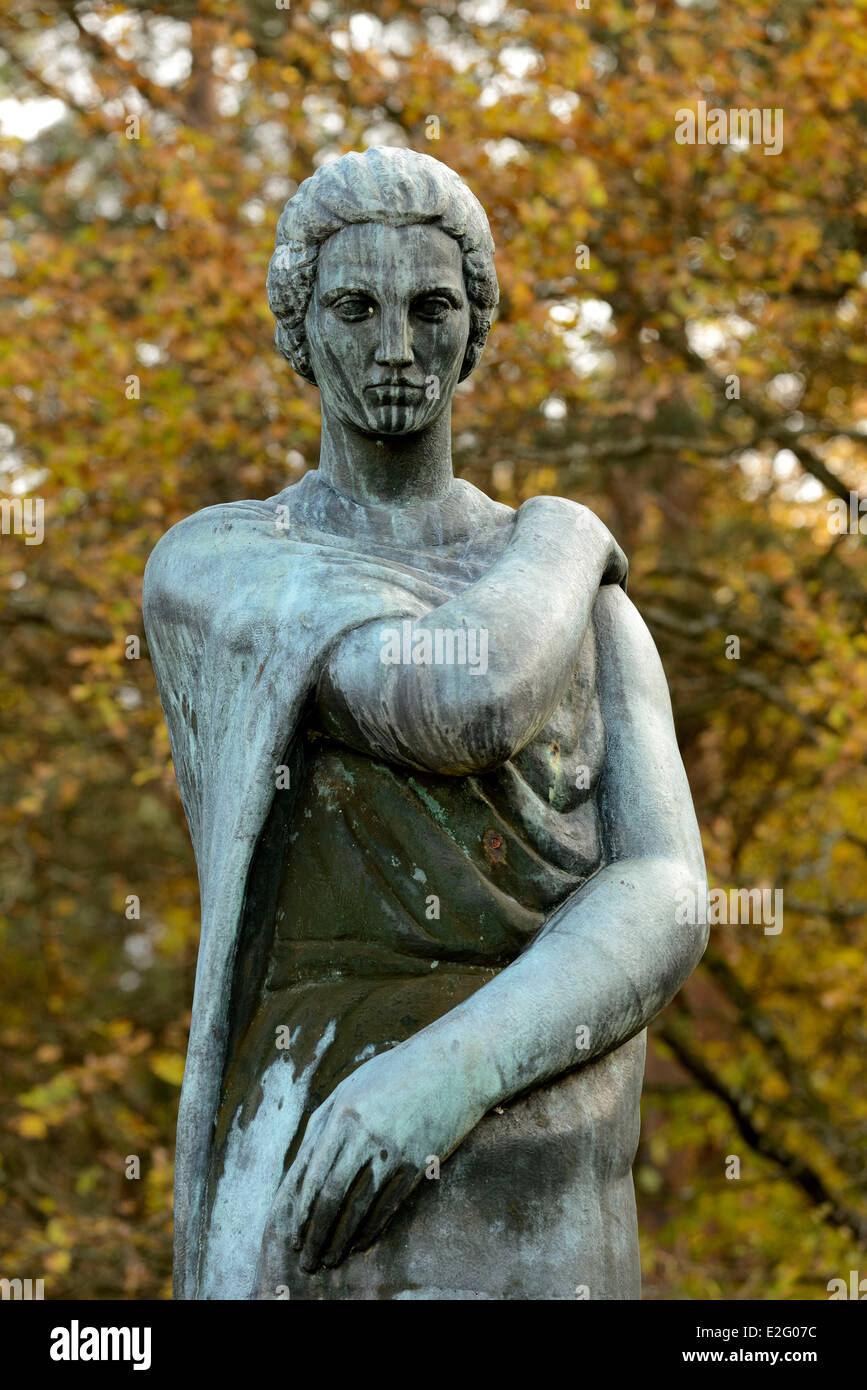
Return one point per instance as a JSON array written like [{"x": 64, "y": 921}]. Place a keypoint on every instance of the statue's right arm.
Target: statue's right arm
[{"x": 534, "y": 603}]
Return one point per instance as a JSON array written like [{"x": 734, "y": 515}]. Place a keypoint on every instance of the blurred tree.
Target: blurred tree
[{"x": 680, "y": 344}]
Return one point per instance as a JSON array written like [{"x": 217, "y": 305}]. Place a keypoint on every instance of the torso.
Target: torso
[{"x": 402, "y": 893}]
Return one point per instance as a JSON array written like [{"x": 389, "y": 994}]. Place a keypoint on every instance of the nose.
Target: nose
[{"x": 395, "y": 344}]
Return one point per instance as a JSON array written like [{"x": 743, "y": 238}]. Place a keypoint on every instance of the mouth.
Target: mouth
[{"x": 394, "y": 392}]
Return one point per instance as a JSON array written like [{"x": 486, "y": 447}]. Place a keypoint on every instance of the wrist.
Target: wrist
[{"x": 449, "y": 1051}]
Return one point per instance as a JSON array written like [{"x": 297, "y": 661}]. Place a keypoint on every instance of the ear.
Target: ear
[
  {"x": 470, "y": 362},
  {"x": 480, "y": 327},
  {"x": 293, "y": 346}
]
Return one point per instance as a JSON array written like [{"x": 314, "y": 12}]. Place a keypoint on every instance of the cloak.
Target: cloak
[{"x": 238, "y": 634}]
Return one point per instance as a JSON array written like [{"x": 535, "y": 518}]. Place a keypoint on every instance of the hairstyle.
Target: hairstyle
[{"x": 395, "y": 186}]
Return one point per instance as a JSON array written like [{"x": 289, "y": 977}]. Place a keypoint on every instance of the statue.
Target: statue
[{"x": 425, "y": 749}]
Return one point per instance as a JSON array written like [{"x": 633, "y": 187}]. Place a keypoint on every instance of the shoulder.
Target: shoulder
[
  {"x": 199, "y": 554},
  {"x": 481, "y": 505}
]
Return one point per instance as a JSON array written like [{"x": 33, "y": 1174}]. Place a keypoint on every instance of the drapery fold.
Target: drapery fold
[{"x": 242, "y": 603}]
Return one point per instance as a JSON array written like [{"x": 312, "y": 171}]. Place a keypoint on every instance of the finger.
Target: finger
[
  {"x": 306, "y": 1185},
  {"x": 293, "y": 1178},
  {"x": 359, "y": 1201},
  {"x": 617, "y": 568},
  {"x": 282, "y": 1216},
  {"x": 393, "y": 1194},
  {"x": 325, "y": 1213},
  {"x": 312, "y": 1140}
]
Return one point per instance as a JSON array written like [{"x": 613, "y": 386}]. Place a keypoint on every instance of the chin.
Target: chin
[{"x": 394, "y": 419}]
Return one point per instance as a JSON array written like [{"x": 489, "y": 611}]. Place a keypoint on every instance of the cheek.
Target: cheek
[
  {"x": 343, "y": 351},
  {"x": 339, "y": 359},
  {"x": 445, "y": 344}
]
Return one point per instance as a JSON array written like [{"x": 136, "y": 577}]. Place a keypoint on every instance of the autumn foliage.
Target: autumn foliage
[{"x": 680, "y": 344}]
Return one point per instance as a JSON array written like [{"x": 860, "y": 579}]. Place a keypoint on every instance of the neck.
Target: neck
[{"x": 387, "y": 470}]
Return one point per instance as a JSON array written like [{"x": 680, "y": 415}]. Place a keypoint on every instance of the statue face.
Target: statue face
[{"x": 387, "y": 325}]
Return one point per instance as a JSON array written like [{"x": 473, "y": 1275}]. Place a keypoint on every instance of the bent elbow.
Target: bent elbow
[{"x": 689, "y": 895}]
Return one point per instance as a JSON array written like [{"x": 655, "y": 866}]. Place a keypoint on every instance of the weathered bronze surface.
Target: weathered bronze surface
[{"x": 425, "y": 748}]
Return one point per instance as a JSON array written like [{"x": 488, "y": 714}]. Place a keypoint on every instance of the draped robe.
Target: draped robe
[{"x": 344, "y": 911}]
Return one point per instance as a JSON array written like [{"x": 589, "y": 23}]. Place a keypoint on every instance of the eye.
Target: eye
[
  {"x": 354, "y": 308},
  {"x": 432, "y": 307}
]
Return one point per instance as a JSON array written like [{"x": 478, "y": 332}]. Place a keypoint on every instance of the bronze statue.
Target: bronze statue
[{"x": 425, "y": 749}]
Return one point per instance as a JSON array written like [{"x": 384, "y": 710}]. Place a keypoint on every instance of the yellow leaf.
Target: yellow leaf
[
  {"x": 31, "y": 1126},
  {"x": 168, "y": 1066}
]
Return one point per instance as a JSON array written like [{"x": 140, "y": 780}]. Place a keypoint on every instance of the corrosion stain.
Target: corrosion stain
[{"x": 495, "y": 848}]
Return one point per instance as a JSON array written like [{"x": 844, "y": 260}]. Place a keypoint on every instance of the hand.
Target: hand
[
  {"x": 367, "y": 1147},
  {"x": 569, "y": 524}
]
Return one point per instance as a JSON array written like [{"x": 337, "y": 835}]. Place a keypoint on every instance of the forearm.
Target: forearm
[
  {"x": 529, "y": 614},
  {"x": 609, "y": 959},
  {"x": 535, "y": 601}
]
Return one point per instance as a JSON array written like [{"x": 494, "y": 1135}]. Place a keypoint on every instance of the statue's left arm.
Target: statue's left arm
[{"x": 606, "y": 961}]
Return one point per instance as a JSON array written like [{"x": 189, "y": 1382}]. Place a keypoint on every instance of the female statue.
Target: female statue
[{"x": 425, "y": 749}]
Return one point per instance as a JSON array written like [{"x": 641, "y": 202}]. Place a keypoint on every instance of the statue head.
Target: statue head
[{"x": 383, "y": 285}]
